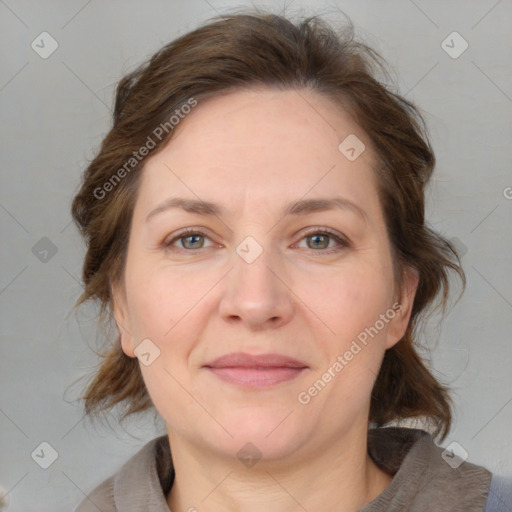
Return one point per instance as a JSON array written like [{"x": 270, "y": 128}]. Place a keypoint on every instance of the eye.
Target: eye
[
  {"x": 190, "y": 239},
  {"x": 317, "y": 240}
]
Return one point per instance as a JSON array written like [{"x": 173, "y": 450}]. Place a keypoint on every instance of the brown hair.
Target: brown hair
[{"x": 251, "y": 49}]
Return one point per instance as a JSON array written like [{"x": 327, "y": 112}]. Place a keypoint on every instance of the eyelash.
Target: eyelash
[{"x": 343, "y": 243}]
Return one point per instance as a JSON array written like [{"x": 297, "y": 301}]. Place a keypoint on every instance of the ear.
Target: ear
[
  {"x": 402, "y": 307},
  {"x": 122, "y": 319}
]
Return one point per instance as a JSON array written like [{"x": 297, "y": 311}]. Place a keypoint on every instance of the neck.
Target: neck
[{"x": 341, "y": 476}]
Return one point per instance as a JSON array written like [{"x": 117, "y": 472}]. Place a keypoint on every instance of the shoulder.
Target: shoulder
[
  {"x": 426, "y": 476},
  {"x": 500, "y": 494},
  {"x": 100, "y": 498},
  {"x": 137, "y": 481}
]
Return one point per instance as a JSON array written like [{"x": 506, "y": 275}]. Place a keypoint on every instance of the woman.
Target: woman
[{"x": 255, "y": 225}]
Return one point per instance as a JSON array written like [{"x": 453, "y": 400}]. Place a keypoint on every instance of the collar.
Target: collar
[{"x": 422, "y": 479}]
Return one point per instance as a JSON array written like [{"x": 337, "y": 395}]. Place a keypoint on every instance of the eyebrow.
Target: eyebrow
[{"x": 301, "y": 207}]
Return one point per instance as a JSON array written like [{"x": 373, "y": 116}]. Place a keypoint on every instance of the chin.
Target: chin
[{"x": 264, "y": 433}]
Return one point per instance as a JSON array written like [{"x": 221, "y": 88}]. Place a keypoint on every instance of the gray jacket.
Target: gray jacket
[{"x": 423, "y": 480}]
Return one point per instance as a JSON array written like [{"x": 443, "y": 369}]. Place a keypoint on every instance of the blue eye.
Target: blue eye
[
  {"x": 320, "y": 241},
  {"x": 192, "y": 240}
]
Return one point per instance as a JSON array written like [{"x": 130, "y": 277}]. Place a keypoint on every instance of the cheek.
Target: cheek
[
  {"x": 351, "y": 305},
  {"x": 354, "y": 299},
  {"x": 165, "y": 307},
  {"x": 160, "y": 299}
]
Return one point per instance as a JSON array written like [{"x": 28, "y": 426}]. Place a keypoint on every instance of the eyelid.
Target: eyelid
[
  {"x": 341, "y": 239},
  {"x": 168, "y": 241},
  {"x": 321, "y": 229}
]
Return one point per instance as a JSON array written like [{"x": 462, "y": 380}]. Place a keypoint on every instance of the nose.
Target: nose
[{"x": 256, "y": 293}]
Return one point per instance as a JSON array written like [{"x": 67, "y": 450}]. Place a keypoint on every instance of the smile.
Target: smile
[{"x": 254, "y": 378}]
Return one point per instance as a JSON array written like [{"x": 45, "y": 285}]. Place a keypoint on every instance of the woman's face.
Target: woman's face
[{"x": 260, "y": 276}]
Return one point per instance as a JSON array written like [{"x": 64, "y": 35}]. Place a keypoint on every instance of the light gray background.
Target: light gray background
[{"x": 54, "y": 113}]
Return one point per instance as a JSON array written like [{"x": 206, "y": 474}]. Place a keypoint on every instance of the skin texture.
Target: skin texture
[{"x": 307, "y": 297}]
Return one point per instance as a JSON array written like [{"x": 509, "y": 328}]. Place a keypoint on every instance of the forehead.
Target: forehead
[
  {"x": 274, "y": 145},
  {"x": 278, "y": 121}
]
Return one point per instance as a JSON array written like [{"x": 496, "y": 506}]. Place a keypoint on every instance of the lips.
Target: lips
[
  {"x": 243, "y": 360},
  {"x": 255, "y": 371}
]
